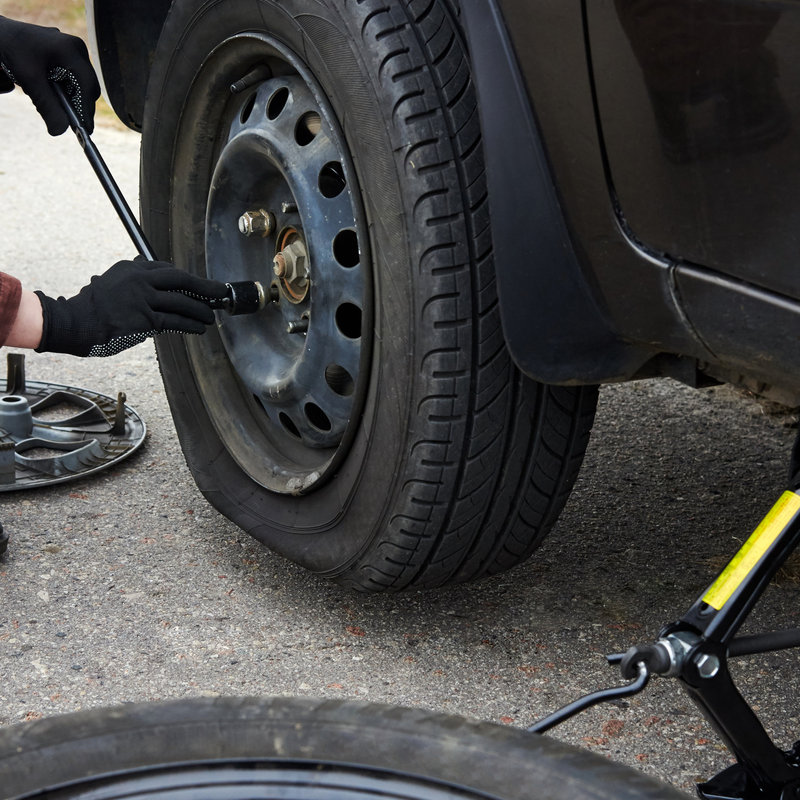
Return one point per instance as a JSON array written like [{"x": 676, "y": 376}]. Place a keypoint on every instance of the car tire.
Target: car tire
[
  {"x": 387, "y": 441},
  {"x": 296, "y": 748}
]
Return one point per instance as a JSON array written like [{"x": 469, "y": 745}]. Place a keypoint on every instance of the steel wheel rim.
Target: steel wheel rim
[
  {"x": 247, "y": 780},
  {"x": 295, "y": 395}
]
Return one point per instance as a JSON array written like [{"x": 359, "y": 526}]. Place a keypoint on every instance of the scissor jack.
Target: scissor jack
[{"x": 696, "y": 649}]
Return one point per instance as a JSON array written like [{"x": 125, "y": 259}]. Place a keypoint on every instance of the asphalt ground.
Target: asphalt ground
[{"x": 126, "y": 586}]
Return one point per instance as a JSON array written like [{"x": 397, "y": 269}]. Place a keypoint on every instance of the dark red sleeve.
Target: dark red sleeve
[{"x": 10, "y": 295}]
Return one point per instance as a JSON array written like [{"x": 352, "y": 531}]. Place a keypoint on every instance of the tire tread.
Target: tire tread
[{"x": 476, "y": 420}]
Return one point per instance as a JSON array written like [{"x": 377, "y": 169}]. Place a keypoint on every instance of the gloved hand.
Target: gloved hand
[
  {"x": 31, "y": 54},
  {"x": 125, "y": 305}
]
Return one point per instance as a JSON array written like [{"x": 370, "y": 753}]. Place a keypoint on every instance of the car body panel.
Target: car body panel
[
  {"x": 122, "y": 39},
  {"x": 676, "y": 299},
  {"x": 614, "y": 269},
  {"x": 618, "y": 256},
  {"x": 696, "y": 103},
  {"x": 554, "y": 322}
]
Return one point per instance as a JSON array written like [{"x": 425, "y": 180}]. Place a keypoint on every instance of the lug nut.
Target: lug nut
[{"x": 260, "y": 223}]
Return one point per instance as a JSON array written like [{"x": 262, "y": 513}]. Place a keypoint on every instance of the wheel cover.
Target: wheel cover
[
  {"x": 50, "y": 433},
  {"x": 296, "y": 371}
]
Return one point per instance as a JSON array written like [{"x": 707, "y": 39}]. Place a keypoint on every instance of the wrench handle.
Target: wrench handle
[
  {"x": 107, "y": 181},
  {"x": 244, "y": 297}
]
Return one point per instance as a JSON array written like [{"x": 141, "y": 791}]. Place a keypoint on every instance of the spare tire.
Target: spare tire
[
  {"x": 296, "y": 748},
  {"x": 368, "y": 423}
]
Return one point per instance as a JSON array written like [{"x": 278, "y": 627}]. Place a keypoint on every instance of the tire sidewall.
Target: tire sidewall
[{"x": 307, "y": 528}]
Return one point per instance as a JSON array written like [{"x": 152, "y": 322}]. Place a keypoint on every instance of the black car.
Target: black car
[{"x": 468, "y": 216}]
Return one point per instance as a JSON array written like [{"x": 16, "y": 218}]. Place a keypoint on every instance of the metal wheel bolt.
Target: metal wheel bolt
[
  {"x": 707, "y": 665},
  {"x": 279, "y": 265},
  {"x": 260, "y": 222},
  {"x": 297, "y": 325},
  {"x": 288, "y": 208}
]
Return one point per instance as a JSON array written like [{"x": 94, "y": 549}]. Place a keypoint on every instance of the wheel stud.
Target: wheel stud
[
  {"x": 260, "y": 222},
  {"x": 297, "y": 325}
]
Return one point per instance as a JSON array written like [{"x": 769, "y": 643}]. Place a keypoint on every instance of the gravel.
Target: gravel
[{"x": 128, "y": 587}]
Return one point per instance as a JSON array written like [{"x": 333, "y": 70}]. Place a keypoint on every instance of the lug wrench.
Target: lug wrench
[{"x": 243, "y": 297}]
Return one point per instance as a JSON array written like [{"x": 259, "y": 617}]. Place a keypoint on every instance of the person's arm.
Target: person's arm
[
  {"x": 116, "y": 310},
  {"x": 122, "y": 307},
  {"x": 10, "y": 298},
  {"x": 26, "y": 329}
]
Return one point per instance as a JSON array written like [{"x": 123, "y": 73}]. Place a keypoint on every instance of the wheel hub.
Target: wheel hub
[{"x": 291, "y": 266}]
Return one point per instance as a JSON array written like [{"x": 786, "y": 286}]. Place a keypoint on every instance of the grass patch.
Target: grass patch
[{"x": 67, "y": 15}]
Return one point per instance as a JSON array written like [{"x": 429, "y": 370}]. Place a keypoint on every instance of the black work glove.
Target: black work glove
[
  {"x": 31, "y": 56},
  {"x": 124, "y": 306}
]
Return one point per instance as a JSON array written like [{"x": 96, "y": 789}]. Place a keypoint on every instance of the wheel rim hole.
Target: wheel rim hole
[
  {"x": 307, "y": 128},
  {"x": 317, "y": 417},
  {"x": 247, "y": 109},
  {"x": 288, "y": 425},
  {"x": 277, "y": 103},
  {"x": 339, "y": 380},
  {"x": 348, "y": 320},
  {"x": 331, "y": 180},
  {"x": 345, "y": 248}
]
